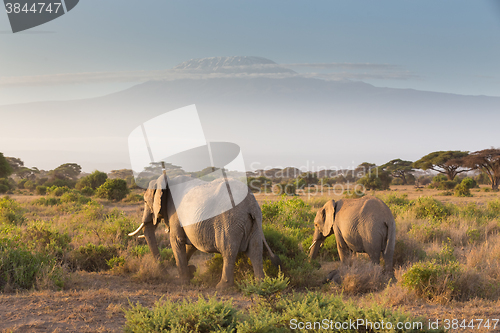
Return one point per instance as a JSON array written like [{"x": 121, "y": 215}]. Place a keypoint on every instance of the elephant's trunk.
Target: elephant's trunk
[
  {"x": 149, "y": 232},
  {"x": 318, "y": 240}
]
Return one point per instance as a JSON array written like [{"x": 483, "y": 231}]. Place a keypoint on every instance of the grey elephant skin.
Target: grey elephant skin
[
  {"x": 364, "y": 225},
  {"x": 237, "y": 230}
]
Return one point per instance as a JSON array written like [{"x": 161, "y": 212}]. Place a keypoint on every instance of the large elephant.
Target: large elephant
[
  {"x": 238, "y": 229},
  {"x": 364, "y": 225}
]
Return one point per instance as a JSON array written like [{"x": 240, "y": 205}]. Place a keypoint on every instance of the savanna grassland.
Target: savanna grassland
[{"x": 67, "y": 264}]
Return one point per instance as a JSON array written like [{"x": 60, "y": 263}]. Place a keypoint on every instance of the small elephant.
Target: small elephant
[
  {"x": 238, "y": 229},
  {"x": 364, "y": 225}
]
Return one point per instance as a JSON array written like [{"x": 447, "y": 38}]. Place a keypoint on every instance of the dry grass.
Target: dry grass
[{"x": 360, "y": 277}]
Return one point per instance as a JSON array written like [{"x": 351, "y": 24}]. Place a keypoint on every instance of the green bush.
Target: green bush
[
  {"x": 113, "y": 189},
  {"x": 30, "y": 185},
  {"x": 20, "y": 184},
  {"x": 187, "y": 316},
  {"x": 294, "y": 213},
  {"x": 10, "y": 211},
  {"x": 469, "y": 182},
  {"x": 57, "y": 191},
  {"x": 50, "y": 201},
  {"x": 430, "y": 208},
  {"x": 87, "y": 191},
  {"x": 94, "y": 180},
  {"x": 41, "y": 190},
  {"x": 92, "y": 258},
  {"x": 309, "y": 308},
  {"x": 433, "y": 280},
  {"x": 74, "y": 196},
  {"x": 22, "y": 269},
  {"x": 42, "y": 238},
  {"x": 6, "y": 185},
  {"x": 461, "y": 190}
]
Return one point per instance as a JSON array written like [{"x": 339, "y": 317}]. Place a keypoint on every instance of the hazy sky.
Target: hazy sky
[
  {"x": 104, "y": 46},
  {"x": 446, "y": 46}
]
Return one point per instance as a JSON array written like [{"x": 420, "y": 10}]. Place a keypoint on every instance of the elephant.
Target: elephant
[
  {"x": 364, "y": 225},
  {"x": 238, "y": 229}
]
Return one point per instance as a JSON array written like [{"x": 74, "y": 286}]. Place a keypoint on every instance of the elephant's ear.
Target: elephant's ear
[
  {"x": 150, "y": 193},
  {"x": 161, "y": 191},
  {"x": 329, "y": 216}
]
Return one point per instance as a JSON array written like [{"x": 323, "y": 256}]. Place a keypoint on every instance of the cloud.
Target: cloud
[{"x": 350, "y": 71}]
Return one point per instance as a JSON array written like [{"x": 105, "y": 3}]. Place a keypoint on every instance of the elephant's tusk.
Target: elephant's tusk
[
  {"x": 138, "y": 229},
  {"x": 141, "y": 236},
  {"x": 311, "y": 245}
]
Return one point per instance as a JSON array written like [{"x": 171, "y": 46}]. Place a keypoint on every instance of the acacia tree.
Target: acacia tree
[
  {"x": 399, "y": 169},
  {"x": 66, "y": 171},
  {"x": 5, "y": 168},
  {"x": 449, "y": 163},
  {"x": 488, "y": 161}
]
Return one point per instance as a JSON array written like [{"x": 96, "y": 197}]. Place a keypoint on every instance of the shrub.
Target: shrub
[
  {"x": 50, "y": 201},
  {"x": 469, "y": 182},
  {"x": 41, "y": 190},
  {"x": 30, "y": 185},
  {"x": 6, "y": 185},
  {"x": 187, "y": 316},
  {"x": 94, "y": 180},
  {"x": 20, "y": 184},
  {"x": 132, "y": 197},
  {"x": 461, "y": 190},
  {"x": 354, "y": 194},
  {"x": 92, "y": 258},
  {"x": 311, "y": 308},
  {"x": 41, "y": 238},
  {"x": 87, "y": 191},
  {"x": 430, "y": 208},
  {"x": 57, "y": 191},
  {"x": 113, "y": 189},
  {"x": 361, "y": 277},
  {"x": 10, "y": 211},
  {"x": 268, "y": 289},
  {"x": 22, "y": 269},
  {"x": 60, "y": 183},
  {"x": 407, "y": 250},
  {"x": 74, "y": 196},
  {"x": 293, "y": 213},
  {"x": 432, "y": 280}
]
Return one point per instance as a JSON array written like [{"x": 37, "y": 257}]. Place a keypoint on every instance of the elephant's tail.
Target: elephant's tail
[
  {"x": 391, "y": 241},
  {"x": 257, "y": 219}
]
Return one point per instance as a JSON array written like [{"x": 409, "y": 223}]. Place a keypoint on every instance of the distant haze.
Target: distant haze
[{"x": 278, "y": 117}]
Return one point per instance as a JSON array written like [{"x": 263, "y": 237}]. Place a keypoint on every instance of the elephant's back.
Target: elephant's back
[{"x": 367, "y": 207}]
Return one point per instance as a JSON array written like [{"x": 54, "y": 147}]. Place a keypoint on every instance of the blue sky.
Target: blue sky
[
  {"x": 105, "y": 46},
  {"x": 446, "y": 46}
]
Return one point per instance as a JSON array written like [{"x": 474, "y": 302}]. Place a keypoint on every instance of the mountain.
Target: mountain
[
  {"x": 232, "y": 65},
  {"x": 281, "y": 120}
]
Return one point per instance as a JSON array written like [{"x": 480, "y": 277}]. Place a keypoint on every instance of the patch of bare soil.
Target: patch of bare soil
[{"x": 94, "y": 304}]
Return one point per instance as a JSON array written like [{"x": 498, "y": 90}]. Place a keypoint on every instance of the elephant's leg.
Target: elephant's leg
[
  {"x": 190, "y": 250},
  {"x": 227, "y": 278},
  {"x": 149, "y": 233},
  {"x": 342, "y": 248},
  {"x": 254, "y": 252},
  {"x": 177, "y": 241}
]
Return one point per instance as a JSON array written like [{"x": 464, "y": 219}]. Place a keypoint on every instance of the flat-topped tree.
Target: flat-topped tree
[
  {"x": 398, "y": 168},
  {"x": 488, "y": 161},
  {"x": 449, "y": 163},
  {"x": 5, "y": 168}
]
